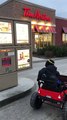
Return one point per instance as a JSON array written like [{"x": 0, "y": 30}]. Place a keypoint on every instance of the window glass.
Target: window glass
[
  {"x": 42, "y": 40},
  {"x": 22, "y": 33},
  {"x": 5, "y": 33},
  {"x": 23, "y": 58},
  {"x": 64, "y": 38}
]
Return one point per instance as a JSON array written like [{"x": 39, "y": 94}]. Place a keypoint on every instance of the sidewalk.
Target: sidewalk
[
  {"x": 36, "y": 59},
  {"x": 24, "y": 87}
]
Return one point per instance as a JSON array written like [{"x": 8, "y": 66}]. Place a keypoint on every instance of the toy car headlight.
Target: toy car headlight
[
  {"x": 59, "y": 97},
  {"x": 38, "y": 91}
]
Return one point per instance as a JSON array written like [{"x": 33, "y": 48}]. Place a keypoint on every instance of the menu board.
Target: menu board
[
  {"x": 22, "y": 33},
  {"x": 23, "y": 58},
  {"x": 5, "y": 33},
  {"x": 6, "y": 62}
]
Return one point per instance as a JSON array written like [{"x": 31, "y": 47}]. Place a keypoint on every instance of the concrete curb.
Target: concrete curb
[
  {"x": 14, "y": 98},
  {"x": 15, "y": 93}
]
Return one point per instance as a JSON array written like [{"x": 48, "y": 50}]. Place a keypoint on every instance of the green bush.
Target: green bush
[
  {"x": 40, "y": 51},
  {"x": 53, "y": 51}
]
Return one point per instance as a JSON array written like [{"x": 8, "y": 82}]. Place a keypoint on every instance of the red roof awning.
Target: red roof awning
[
  {"x": 37, "y": 28},
  {"x": 43, "y": 29},
  {"x": 65, "y": 29},
  {"x": 50, "y": 29},
  {"x": 53, "y": 29}
]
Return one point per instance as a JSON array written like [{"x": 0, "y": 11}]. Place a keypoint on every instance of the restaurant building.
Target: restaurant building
[
  {"x": 42, "y": 20},
  {"x": 61, "y": 31}
]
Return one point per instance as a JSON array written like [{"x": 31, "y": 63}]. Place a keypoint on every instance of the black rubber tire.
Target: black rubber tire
[
  {"x": 35, "y": 101},
  {"x": 65, "y": 111}
]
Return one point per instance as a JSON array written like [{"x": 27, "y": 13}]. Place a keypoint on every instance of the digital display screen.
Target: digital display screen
[
  {"x": 6, "y": 62},
  {"x": 22, "y": 33},
  {"x": 23, "y": 58},
  {"x": 5, "y": 32}
]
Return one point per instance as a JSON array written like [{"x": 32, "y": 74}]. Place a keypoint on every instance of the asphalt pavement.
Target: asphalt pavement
[
  {"x": 25, "y": 84},
  {"x": 21, "y": 109}
]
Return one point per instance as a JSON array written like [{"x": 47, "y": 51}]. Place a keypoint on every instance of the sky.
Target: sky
[{"x": 59, "y": 5}]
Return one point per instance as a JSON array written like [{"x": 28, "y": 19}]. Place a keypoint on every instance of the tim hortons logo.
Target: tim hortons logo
[{"x": 36, "y": 14}]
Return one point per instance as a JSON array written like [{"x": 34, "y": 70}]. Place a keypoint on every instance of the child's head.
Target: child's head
[{"x": 49, "y": 62}]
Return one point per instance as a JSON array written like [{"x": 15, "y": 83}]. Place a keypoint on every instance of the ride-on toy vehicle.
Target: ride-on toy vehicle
[{"x": 51, "y": 92}]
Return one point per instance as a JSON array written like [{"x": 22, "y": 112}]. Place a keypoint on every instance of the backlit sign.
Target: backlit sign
[
  {"x": 36, "y": 14},
  {"x": 22, "y": 33},
  {"x": 5, "y": 32},
  {"x": 23, "y": 58}
]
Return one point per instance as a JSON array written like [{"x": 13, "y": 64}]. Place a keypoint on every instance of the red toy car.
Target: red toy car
[{"x": 51, "y": 93}]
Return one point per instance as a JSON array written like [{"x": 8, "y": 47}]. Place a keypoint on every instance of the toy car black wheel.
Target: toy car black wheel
[
  {"x": 35, "y": 101},
  {"x": 65, "y": 111}
]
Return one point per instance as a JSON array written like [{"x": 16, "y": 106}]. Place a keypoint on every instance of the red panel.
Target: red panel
[{"x": 52, "y": 94}]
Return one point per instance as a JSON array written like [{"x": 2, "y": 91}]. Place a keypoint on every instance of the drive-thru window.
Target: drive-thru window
[{"x": 15, "y": 50}]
